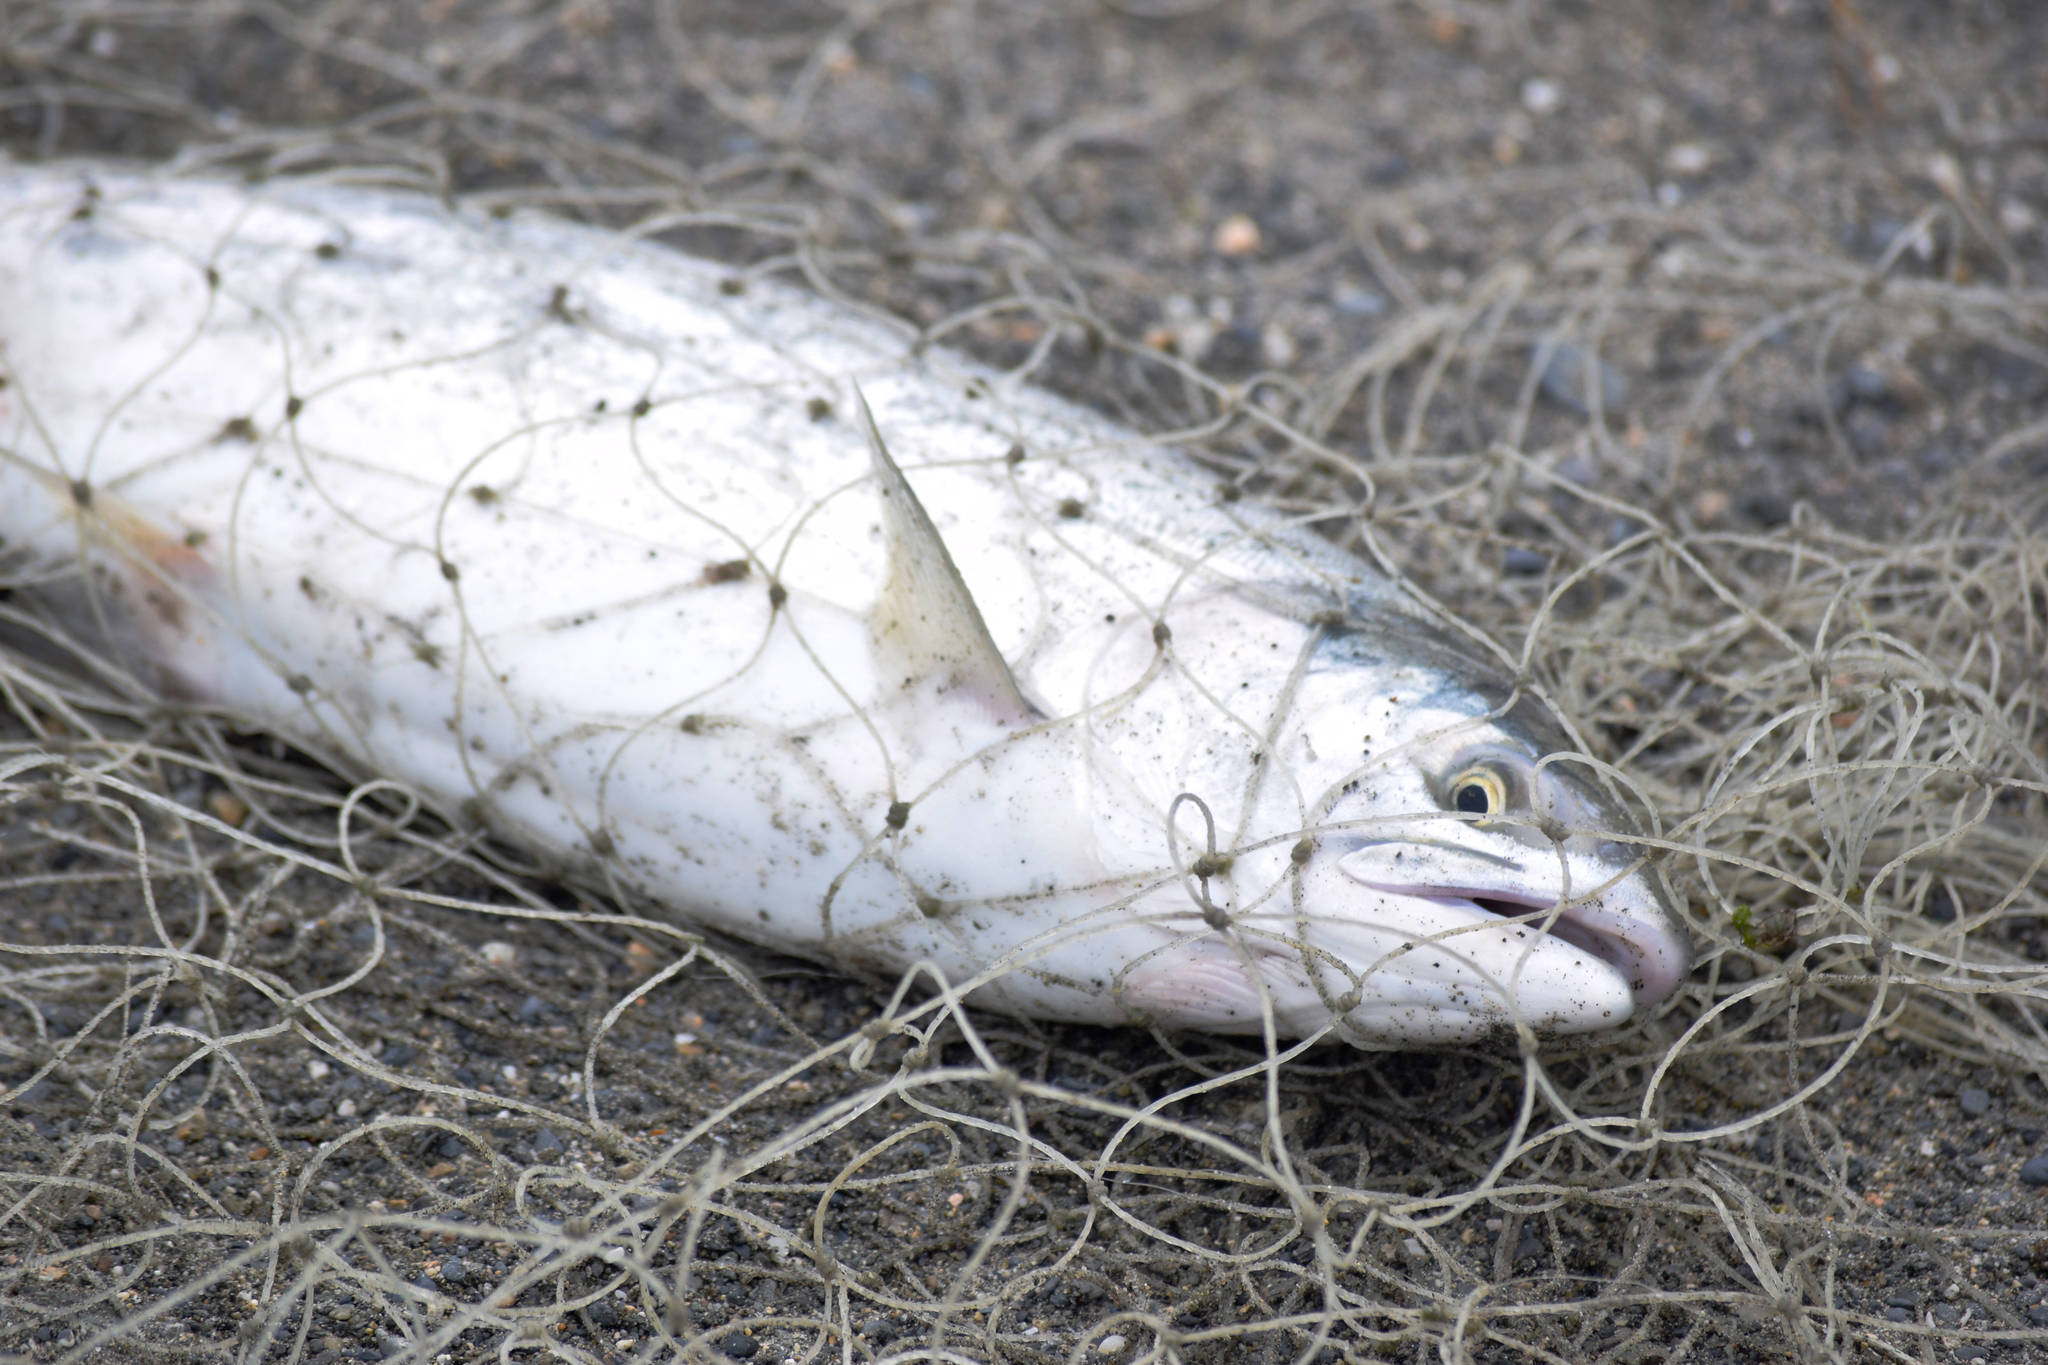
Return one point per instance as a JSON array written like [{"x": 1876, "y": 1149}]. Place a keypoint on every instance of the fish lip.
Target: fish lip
[{"x": 1653, "y": 963}]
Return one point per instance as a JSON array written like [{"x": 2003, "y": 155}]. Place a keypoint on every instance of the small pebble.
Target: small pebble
[
  {"x": 1111, "y": 1345},
  {"x": 1688, "y": 158},
  {"x": 2038, "y": 1315},
  {"x": 1898, "y": 1314},
  {"x": 1767, "y": 508},
  {"x": 1237, "y": 235},
  {"x": 453, "y": 1271},
  {"x": 738, "y": 1345},
  {"x": 1522, "y": 561},
  {"x": 1976, "y": 1103},
  {"x": 1564, "y": 379},
  {"x": 1541, "y": 95},
  {"x": 1358, "y": 301},
  {"x": 2035, "y": 1172}
]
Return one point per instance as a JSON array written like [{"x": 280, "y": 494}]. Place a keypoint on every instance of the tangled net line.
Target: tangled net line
[{"x": 614, "y": 1139}]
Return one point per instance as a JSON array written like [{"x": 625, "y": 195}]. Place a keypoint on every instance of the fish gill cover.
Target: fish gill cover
[{"x": 1723, "y": 438}]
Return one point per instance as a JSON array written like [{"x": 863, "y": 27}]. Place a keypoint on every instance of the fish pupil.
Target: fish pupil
[{"x": 1470, "y": 798}]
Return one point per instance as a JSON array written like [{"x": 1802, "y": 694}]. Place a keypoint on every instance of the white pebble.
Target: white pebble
[
  {"x": 1688, "y": 158},
  {"x": 1540, "y": 95}
]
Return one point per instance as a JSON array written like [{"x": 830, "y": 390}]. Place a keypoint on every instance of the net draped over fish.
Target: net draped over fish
[{"x": 609, "y": 553}]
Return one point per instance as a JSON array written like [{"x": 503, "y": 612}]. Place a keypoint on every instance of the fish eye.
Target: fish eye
[{"x": 1478, "y": 791}]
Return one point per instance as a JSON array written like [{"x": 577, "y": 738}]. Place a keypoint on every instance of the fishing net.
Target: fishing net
[{"x": 1754, "y": 488}]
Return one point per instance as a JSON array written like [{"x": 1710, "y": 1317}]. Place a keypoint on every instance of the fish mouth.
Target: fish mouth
[
  {"x": 1616, "y": 949},
  {"x": 1624, "y": 922}
]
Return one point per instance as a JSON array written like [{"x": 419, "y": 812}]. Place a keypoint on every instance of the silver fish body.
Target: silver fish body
[{"x": 577, "y": 541}]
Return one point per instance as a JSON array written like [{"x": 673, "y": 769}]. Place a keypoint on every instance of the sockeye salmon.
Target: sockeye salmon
[{"x": 739, "y": 600}]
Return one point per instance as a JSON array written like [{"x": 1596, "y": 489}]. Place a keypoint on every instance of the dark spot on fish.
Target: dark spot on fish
[
  {"x": 430, "y": 655},
  {"x": 194, "y": 539},
  {"x": 1015, "y": 454},
  {"x": 1304, "y": 849},
  {"x": 212, "y": 278},
  {"x": 309, "y": 588},
  {"x": 643, "y": 407},
  {"x": 731, "y": 571},
  {"x": 236, "y": 429},
  {"x": 81, "y": 493},
  {"x": 449, "y": 571},
  {"x": 817, "y": 409},
  {"x": 299, "y": 683},
  {"x": 167, "y": 607},
  {"x": 293, "y": 406},
  {"x": 482, "y": 494},
  {"x": 474, "y": 810},
  {"x": 1212, "y": 865},
  {"x": 931, "y": 907},
  {"x": 328, "y": 251},
  {"x": 558, "y": 305},
  {"x": 692, "y": 724},
  {"x": 1162, "y": 634},
  {"x": 1228, "y": 492},
  {"x": 602, "y": 844},
  {"x": 777, "y": 595},
  {"x": 898, "y": 816},
  {"x": 732, "y": 286},
  {"x": 601, "y": 405},
  {"x": 1072, "y": 508}
]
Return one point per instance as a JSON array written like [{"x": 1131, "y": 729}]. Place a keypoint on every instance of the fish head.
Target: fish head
[{"x": 1467, "y": 866}]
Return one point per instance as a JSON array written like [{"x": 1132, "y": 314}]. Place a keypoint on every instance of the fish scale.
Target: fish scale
[{"x": 741, "y": 599}]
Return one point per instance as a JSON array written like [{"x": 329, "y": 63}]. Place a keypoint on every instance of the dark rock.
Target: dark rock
[
  {"x": 738, "y": 1345},
  {"x": 1976, "y": 1103},
  {"x": 1768, "y": 508},
  {"x": 2035, "y": 1172}
]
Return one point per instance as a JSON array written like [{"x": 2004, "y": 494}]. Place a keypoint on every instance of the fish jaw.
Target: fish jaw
[{"x": 1592, "y": 909}]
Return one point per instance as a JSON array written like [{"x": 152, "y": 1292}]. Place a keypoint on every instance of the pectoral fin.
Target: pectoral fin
[
  {"x": 926, "y": 616},
  {"x": 144, "y": 593}
]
